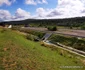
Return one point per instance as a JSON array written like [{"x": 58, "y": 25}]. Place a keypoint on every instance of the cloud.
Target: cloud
[
  {"x": 41, "y": 12},
  {"x": 6, "y": 2},
  {"x": 35, "y": 2},
  {"x": 44, "y": 2},
  {"x": 54, "y": 13},
  {"x": 64, "y": 9},
  {"x": 20, "y": 13},
  {"x": 70, "y": 8},
  {"x": 4, "y": 15},
  {"x": 47, "y": 13},
  {"x": 30, "y": 2}
]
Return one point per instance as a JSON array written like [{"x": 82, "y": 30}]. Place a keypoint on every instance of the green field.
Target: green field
[{"x": 18, "y": 53}]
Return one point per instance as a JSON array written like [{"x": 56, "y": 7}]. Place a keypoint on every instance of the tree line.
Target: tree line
[{"x": 74, "y": 22}]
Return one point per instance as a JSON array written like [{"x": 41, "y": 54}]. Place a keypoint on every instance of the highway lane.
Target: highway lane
[{"x": 70, "y": 32}]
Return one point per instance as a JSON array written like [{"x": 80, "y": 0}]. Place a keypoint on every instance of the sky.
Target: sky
[{"x": 40, "y": 9}]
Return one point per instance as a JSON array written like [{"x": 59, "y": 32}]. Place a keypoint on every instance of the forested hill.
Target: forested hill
[{"x": 78, "y": 21}]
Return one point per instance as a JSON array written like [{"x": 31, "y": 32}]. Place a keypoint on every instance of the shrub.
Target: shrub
[
  {"x": 71, "y": 27},
  {"x": 32, "y": 37},
  {"x": 3, "y": 30},
  {"x": 52, "y": 28},
  {"x": 83, "y": 27}
]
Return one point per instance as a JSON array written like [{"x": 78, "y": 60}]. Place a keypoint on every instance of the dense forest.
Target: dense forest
[{"x": 77, "y": 21}]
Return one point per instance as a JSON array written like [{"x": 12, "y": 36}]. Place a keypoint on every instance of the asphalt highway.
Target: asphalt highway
[{"x": 70, "y": 32}]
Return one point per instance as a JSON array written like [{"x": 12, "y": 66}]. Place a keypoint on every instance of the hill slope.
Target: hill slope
[{"x": 18, "y": 53}]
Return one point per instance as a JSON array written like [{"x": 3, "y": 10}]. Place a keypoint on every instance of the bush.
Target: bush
[
  {"x": 32, "y": 37},
  {"x": 3, "y": 30},
  {"x": 71, "y": 27},
  {"x": 52, "y": 28},
  {"x": 83, "y": 27}
]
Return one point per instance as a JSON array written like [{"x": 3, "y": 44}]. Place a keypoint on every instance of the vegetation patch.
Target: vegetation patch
[
  {"x": 52, "y": 28},
  {"x": 36, "y": 33},
  {"x": 69, "y": 41},
  {"x": 83, "y": 27},
  {"x": 32, "y": 37}
]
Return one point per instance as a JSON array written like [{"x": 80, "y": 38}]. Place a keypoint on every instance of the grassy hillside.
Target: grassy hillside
[{"x": 18, "y": 53}]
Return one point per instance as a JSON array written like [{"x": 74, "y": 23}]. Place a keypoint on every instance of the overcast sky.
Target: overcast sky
[{"x": 41, "y": 9}]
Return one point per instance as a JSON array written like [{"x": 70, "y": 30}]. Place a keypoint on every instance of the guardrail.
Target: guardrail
[{"x": 72, "y": 50}]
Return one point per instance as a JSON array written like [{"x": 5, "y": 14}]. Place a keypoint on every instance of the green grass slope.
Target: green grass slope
[{"x": 18, "y": 53}]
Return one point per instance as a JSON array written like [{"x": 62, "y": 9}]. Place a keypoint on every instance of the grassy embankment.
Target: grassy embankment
[
  {"x": 18, "y": 53},
  {"x": 69, "y": 41}
]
